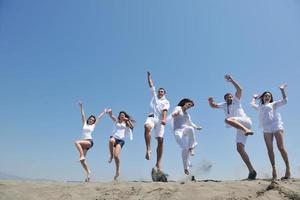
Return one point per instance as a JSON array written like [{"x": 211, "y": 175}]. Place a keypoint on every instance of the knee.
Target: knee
[
  {"x": 111, "y": 140},
  {"x": 147, "y": 127},
  {"x": 281, "y": 149},
  {"x": 189, "y": 129},
  {"x": 227, "y": 120},
  {"x": 76, "y": 143},
  {"x": 116, "y": 157},
  {"x": 240, "y": 148},
  {"x": 160, "y": 140}
]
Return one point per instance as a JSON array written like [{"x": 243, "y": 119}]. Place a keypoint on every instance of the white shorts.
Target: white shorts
[
  {"x": 245, "y": 121},
  {"x": 272, "y": 128},
  {"x": 156, "y": 124}
]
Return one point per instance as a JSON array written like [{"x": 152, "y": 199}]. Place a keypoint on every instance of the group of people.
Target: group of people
[{"x": 184, "y": 129}]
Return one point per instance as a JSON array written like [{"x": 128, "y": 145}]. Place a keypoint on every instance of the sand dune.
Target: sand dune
[{"x": 230, "y": 190}]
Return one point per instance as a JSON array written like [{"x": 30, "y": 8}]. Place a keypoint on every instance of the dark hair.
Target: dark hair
[
  {"x": 162, "y": 89},
  {"x": 262, "y": 97},
  {"x": 126, "y": 115},
  {"x": 92, "y": 116},
  {"x": 184, "y": 101},
  {"x": 227, "y": 94}
]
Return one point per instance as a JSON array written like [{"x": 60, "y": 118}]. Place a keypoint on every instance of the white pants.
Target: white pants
[{"x": 185, "y": 138}]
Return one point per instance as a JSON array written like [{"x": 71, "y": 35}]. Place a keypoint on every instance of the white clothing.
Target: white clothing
[
  {"x": 87, "y": 131},
  {"x": 186, "y": 139},
  {"x": 269, "y": 119},
  {"x": 181, "y": 120},
  {"x": 240, "y": 137},
  {"x": 236, "y": 111},
  {"x": 184, "y": 132},
  {"x": 158, "y": 105},
  {"x": 120, "y": 130},
  {"x": 156, "y": 124}
]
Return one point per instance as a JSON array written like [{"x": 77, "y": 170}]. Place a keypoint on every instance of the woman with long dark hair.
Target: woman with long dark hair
[
  {"x": 123, "y": 125},
  {"x": 272, "y": 126},
  {"x": 184, "y": 131},
  {"x": 86, "y": 142}
]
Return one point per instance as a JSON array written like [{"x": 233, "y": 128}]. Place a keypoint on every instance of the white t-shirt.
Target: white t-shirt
[
  {"x": 87, "y": 131},
  {"x": 158, "y": 105},
  {"x": 120, "y": 130},
  {"x": 182, "y": 120},
  {"x": 233, "y": 110},
  {"x": 268, "y": 112}
]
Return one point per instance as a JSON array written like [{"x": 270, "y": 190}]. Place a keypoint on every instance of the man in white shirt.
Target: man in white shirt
[
  {"x": 236, "y": 117},
  {"x": 157, "y": 120}
]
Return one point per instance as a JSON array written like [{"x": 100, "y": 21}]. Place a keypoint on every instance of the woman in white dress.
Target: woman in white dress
[
  {"x": 86, "y": 141},
  {"x": 272, "y": 126},
  {"x": 123, "y": 125},
  {"x": 184, "y": 131}
]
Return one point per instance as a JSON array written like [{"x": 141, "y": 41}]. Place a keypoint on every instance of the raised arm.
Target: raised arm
[
  {"x": 238, "y": 88},
  {"x": 212, "y": 102},
  {"x": 284, "y": 97},
  {"x": 253, "y": 101},
  {"x": 192, "y": 124},
  {"x": 129, "y": 123},
  {"x": 282, "y": 87},
  {"x": 82, "y": 112},
  {"x": 150, "y": 81},
  {"x": 113, "y": 118},
  {"x": 100, "y": 116}
]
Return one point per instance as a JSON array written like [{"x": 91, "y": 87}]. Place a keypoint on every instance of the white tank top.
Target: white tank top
[{"x": 87, "y": 131}]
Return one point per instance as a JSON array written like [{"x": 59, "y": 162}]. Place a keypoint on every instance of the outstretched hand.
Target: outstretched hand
[
  {"x": 80, "y": 103},
  {"x": 199, "y": 128},
  {"x": 210, "y": 99},
  {"x": 255, "y": 96},
  {"x": 148, "y": 73},
  {"x": 228, "y": 78},
  {"x": 282, "y": 86},
  {"x": 108, "y": 110}
]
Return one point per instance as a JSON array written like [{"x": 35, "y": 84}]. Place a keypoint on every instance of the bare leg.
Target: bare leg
[
  {"x": 148, "y": 141},
  {"x": 269, "y": 143},
  {"x": 244, "y": 155},
  {"x": 159, "y": 151},
  {"x": 117, "y": 160},
  {"x": 111, "y": 144},
  {"x": 238, "y": 125},
  {"x": 85, "y": 167},
  {"x": 81, "y": 145},
  {"x": 280, "y": 144}
]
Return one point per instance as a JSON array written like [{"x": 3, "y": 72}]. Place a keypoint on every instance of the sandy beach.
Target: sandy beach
[{"x": 230, "y": 190}]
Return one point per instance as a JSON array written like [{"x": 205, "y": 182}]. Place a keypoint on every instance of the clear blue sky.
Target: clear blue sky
[{"x": 55, "y": 53}]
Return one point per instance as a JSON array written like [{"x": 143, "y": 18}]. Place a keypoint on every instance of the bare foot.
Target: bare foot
[
  {"x": 82, "y": 158},
  {"x": 116, "y": 176},
  {"x": 274, "y": 174},
  {"x": 110, "y": 159},
  {"x": 248, "y": 132},
  {"x": 186, "y": 172},
  {"x": 287, "y": 174},
  {"x": 148, "y": 155},
  {"x": 88, "y": 176}
]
